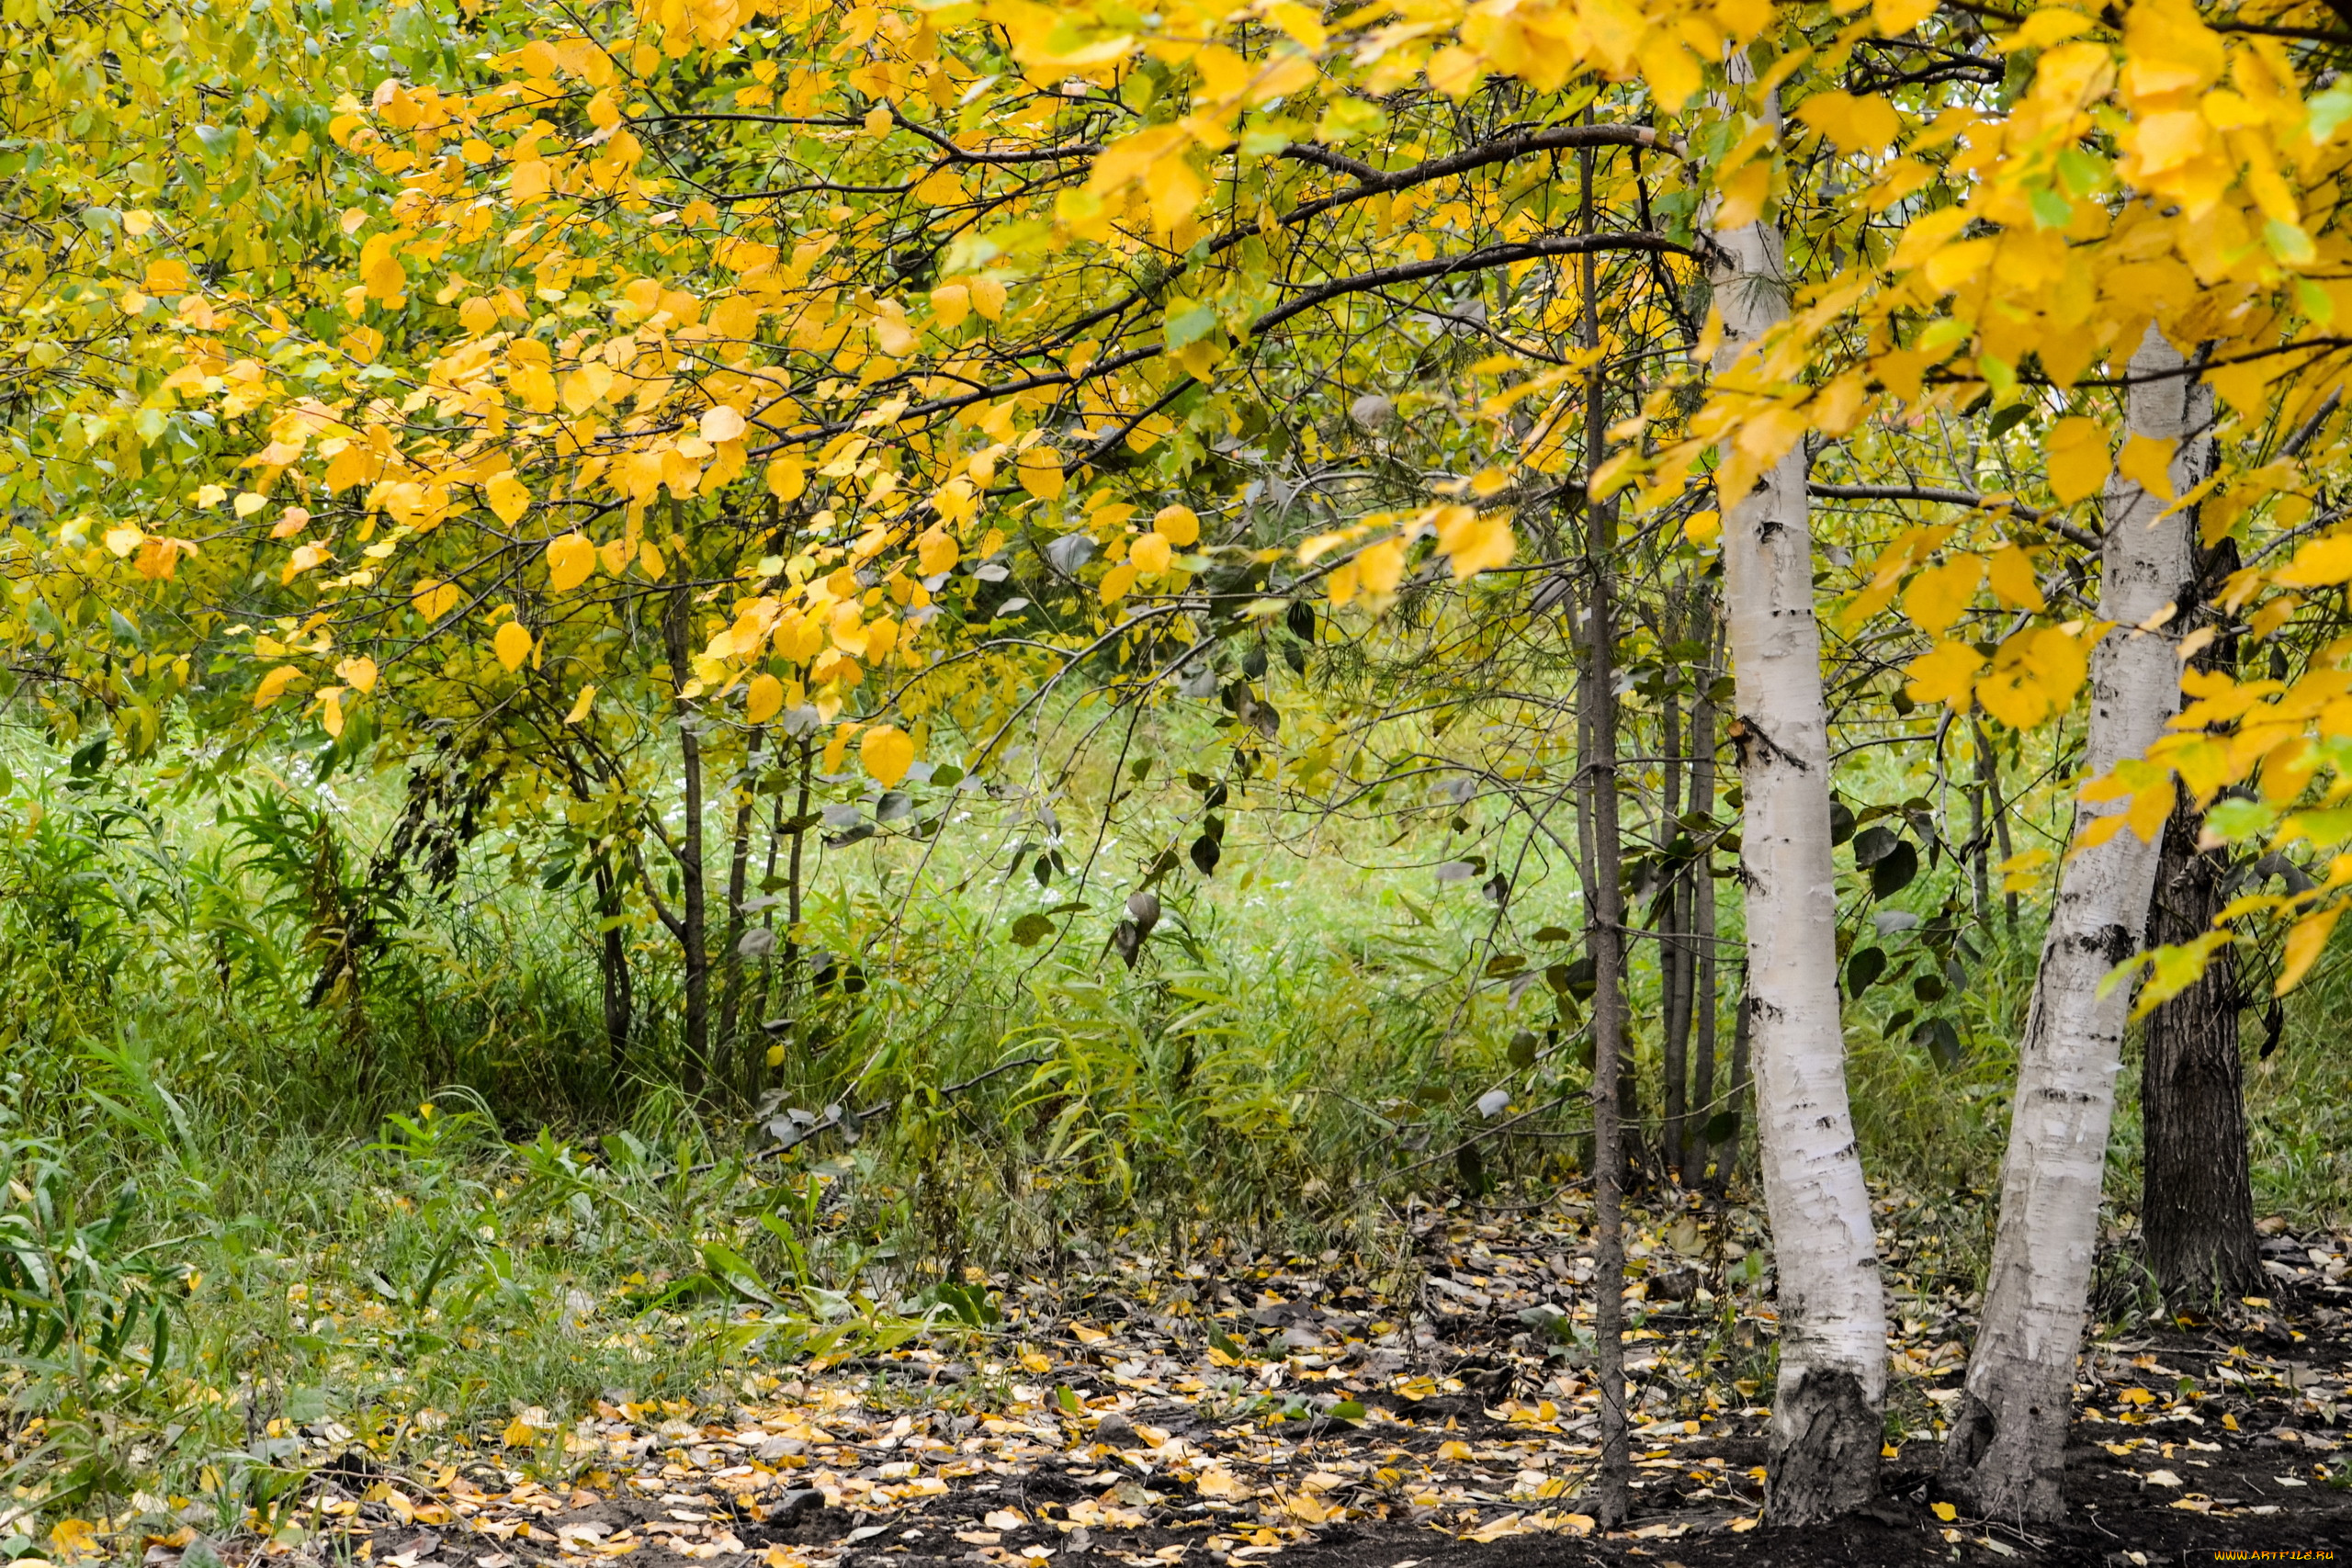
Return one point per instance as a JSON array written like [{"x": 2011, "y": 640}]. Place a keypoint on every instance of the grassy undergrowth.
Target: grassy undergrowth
[{"x": 427, "y": 1197}]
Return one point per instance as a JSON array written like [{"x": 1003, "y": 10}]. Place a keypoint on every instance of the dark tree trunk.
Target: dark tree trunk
[
  {"x": 1673, "y": 955},
  {"x": 738, "y": 869},
  {"x": 2196, "y": 1195},
  {"x": 1702, "y": 924},
  {"x": 692, "y": 931},
  {"x": 1605, "y": 939},
  {"x": 612, "y": 964}
]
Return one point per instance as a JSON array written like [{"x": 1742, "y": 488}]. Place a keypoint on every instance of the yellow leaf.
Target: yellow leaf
[
  {"x": 887, "y": 752},
  {"x": 2304, "y": 942},
  {"x": 1041, "y": 472},
  {"x": 330, "y": 710},
  {"x": 121, "y": 541},
  {"x": 581, "y": 706},
  {"x": 1118, "y": 581},
  {"x": 1474, "y": 541},
  {"x": 570, "y": 558},
  {"x": 2076, "y": 454},
  {"x": 1453, "y": 1449},
  {"x": 1744, "y": 195},
  {"x": 1180, "y": 525},
  {"x": 513, "y": 644},
  {"x": 508, "y": 498},
  {"x": 433, "y": 599},
  {"x": 1938, "y": 595},
  {"x": 723, "y": 423},
  {"x": 648, "y": 560},
  {"x": 987, "y": 298},
  {"x": 2147, "y": 462},
  {"x": 274, "y": 685},
  {"x": 2013, "y": 581},
  {"x": 1945, "y": 675},
  {"x": 1894, "y": 16},
  {"x": 360, "y": 672},
  {"x": 787, "y": 477},
  {"x": 2034, "y": 674},
  {"x": 937, "y": 551},
  {"x": 950, "y": 304},
  {"x": 877, "y": 122},
  {"x": 74, "y": 1538},
  {"x": 1151, "y": 554},
  {"x": 2320, "y": 564},
  {"x": 1944, "y": 1511},
  {"x": 1856, "y": 125},
  {"x": 166, "y": 275},
  {"x": 763, "y": 698}
]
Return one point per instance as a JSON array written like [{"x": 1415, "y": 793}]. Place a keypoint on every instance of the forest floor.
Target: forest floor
[{"x": 1430, "y": 1410}]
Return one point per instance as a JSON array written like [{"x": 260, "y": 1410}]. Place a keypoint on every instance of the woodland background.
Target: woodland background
[{"x": 472, "y": 946}]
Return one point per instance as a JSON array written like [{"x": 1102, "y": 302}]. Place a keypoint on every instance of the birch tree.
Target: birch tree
[
  {"x": 2005, "y": 1450},
  {"x": 1826, "y": 1411}
]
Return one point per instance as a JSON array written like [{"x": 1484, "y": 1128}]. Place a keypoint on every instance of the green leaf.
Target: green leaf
[
  {"x": 1191, "y": 324},
  {"x": 1032, "y": 929}
]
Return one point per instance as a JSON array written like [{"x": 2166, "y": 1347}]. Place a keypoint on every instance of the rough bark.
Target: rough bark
[
  {"x": 2011, "y": 1426},
  {"x": 1826, "y": 1434},
  {"x": 1605, "y": 940},
  {"x": 2197, "y": 1194}
]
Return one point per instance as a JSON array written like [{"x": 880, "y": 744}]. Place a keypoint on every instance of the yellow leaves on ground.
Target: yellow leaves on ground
[
  {"x": 570, "y": 558},
  {"x": 887, "y": 752},
  {"x": 70, "y": 1539},
  {"x": 2075, "y": 452},
  {"x": 512, "y": 643},
  {"x": 273, "y": 685},
  {"x": 1938, "y": 595}
]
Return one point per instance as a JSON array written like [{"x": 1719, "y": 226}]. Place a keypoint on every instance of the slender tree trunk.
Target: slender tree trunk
[
  {"x": 613, "y": 969},
  {"x": 694, "y": 932},
  {"x": 2197, "y": 1194},
  {"x": 739, "y": 867},
  {"x": 1604, "y": 938},
  {"x": 1703, "y": 922},
  {"x": 1673, "y": 954},
  {"x": 2010, "y": 1426},
  {"x": 1735, "y": 1091},
  {"x": 1991, "y": 764},
  {"x": 1827, "y": 1425}
]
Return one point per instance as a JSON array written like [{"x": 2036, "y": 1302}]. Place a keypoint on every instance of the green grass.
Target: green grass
[{"x": 1304, "y": 1042}]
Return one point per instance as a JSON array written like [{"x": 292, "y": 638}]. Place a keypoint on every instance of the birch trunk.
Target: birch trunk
[
  {"x": 1826, "y": 1424},
  {"x": 2004, "y": 1451}
]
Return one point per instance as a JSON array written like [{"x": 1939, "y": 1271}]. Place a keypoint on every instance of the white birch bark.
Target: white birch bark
[
  {"x": 2004, "y": 1451},
  {"x": 1826, "y": 1429}
]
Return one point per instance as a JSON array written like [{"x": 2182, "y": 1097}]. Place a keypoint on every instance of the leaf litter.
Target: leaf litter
[{"x": 1413, "y": 1409}]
